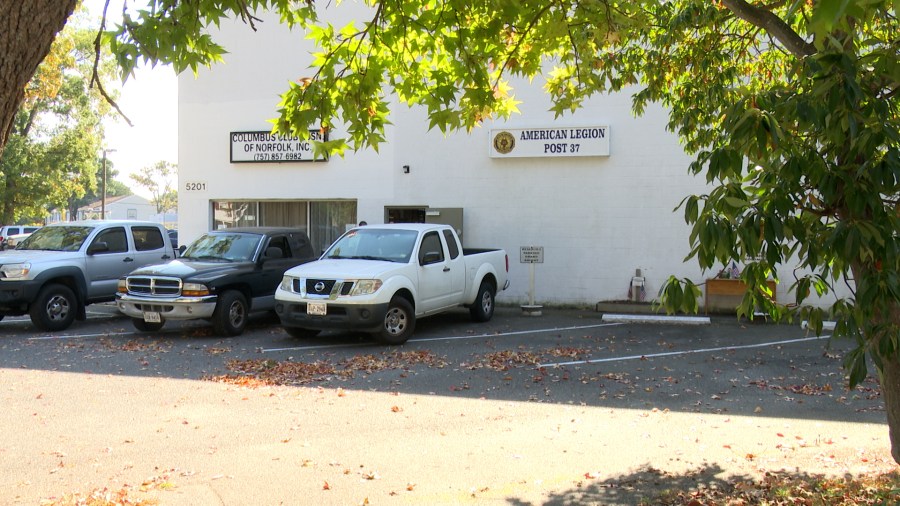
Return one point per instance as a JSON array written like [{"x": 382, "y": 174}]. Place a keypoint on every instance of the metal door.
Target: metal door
[
  {"x": 104, "y": 268},
  {"x": 452, "y": 216}
]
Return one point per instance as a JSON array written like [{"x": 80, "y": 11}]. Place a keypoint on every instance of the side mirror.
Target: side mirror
[
  {"x": 273, "y": 253},
  {"x": 98, "y": 247},
  {"x": 431, "y": 257}
]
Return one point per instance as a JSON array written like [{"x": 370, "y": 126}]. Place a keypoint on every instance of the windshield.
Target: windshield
[
  {"x": 229, "y": 247},
  {"x": 372, "y": 243},
  {"x": 62, "y": 238}
]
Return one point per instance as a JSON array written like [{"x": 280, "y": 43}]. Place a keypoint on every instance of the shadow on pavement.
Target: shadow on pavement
[{"x": 567, "y": 357}]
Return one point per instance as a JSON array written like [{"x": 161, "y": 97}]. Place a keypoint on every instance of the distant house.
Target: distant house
[{"x": 127, "y": 207}]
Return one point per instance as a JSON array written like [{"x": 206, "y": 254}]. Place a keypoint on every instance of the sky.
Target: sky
[{"x": 150, "y": 101}]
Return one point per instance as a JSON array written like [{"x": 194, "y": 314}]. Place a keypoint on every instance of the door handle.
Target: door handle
[
  {"x": 128, "y": 259},
  {"x": 446, "y": 269}
]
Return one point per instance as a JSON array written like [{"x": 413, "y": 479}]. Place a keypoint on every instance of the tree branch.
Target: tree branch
[
  {"x": 95, "y": 75},
  {"x": 773, "y": 25}
]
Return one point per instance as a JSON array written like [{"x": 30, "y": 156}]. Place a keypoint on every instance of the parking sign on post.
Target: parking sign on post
[{"x": 531, "y": 255}]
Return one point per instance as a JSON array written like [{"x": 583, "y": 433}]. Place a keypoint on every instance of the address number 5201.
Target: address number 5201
[{"x": 195, "y": 186}]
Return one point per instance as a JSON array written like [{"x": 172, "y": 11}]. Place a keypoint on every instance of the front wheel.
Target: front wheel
[
  {"x": 145, "y": 326},
  {"x": 483, "y": 308},
  {"x": 54, "y": 308},
  {"x": 230, "y": 316},
  {"x": 399, "y": 322}
]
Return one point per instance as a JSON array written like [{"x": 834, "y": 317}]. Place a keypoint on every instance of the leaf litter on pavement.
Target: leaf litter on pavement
[{"x": 774, "y": 488}]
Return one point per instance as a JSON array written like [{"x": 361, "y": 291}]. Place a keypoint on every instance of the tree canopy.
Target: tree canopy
[
  {"x": 158, "y": 180},
  {"x": 51, "y": 156}
]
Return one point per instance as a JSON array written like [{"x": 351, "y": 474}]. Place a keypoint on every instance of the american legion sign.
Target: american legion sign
[{"x": 544, "y": 142}]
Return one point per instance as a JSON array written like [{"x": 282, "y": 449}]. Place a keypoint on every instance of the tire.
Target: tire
[
  {"x": 230, "y": 316},
  {"x": 144, "y": 326},
  {"x": 399, "y": 322},
  {"x": 482, "y": 309},
  {"x": 302, "y": 333},
  {"x": 54, "y": 308}
]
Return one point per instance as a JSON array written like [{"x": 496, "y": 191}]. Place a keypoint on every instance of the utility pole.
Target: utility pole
[{"x": 103, "y": 186}]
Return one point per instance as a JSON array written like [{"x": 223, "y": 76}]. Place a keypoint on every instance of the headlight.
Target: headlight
[
  {"x": 14, "y": 271},
  {"x": 194, "y": 290},
  {"x": 287, "y": 284},
  {"x": 365, "y": 286},
  {"x": 122, "y": 286}
]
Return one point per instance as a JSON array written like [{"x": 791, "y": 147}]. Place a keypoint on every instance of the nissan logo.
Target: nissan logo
[{"x": 319, "y": 286}]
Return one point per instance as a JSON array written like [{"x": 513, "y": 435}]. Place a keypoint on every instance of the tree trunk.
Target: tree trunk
[
  {"x": 27, "y": 29},
  {"x": 7, "y": 209},
  {"x": 889, "y": 370},
  {"x": 890, "y": 389}
]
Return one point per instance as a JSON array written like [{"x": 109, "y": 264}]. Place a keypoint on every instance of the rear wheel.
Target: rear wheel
[
  {"x": 145, "y": 326},
  {"x": 54, "y": 308},
  {"x": 483, "y": 308},
  {"x": 230, "y": 316},
  {"x": 399, "y": 322},
  {"x": 301, "y": 333}
]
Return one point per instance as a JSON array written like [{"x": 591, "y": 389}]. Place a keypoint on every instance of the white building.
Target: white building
[
  {"x": 596, "y": 218},
  {"x": 125, "y": 207}
]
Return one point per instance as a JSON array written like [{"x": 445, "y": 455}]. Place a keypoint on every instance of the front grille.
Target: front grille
[
  {"x": 345, "y": 288},
  {"x": 154, "y": 308},
  {"x": 154, "y": 285},
  {"x": 328, "y": 286}
]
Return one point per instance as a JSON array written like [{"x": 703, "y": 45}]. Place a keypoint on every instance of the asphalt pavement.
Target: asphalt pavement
[{"x": 562, "y": 408}]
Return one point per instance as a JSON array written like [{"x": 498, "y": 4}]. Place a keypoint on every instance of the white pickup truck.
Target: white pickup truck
[{"x": 381, "y": 278}]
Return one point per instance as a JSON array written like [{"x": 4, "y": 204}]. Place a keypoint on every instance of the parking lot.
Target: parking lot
[{"x": 560, "y": 408}]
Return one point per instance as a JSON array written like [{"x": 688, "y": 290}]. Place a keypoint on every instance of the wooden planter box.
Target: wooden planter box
[{"x": 726, "y": 294}]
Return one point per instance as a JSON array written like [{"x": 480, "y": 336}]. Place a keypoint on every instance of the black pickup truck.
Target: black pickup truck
[{"x": 222, "y": 277}]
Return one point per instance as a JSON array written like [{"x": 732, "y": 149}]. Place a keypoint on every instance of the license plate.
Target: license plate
[
  {"x": 152, "y": 317},
  {"x": 316, "y": 308}
]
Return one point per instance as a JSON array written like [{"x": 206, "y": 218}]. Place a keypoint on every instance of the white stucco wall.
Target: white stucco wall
[{"x": 598, "y": 218}]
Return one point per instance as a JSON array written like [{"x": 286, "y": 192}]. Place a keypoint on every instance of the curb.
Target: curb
[{"x": 636, "y": 318}]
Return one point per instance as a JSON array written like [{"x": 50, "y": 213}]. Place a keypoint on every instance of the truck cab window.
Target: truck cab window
[
  {"x": 115, "y": 239},
  {"x": 451, "y": 244},
  {"x": 281, "y": 242},
  {"x": 147, "y": 238},
  {"x": 431, "y": 250}
]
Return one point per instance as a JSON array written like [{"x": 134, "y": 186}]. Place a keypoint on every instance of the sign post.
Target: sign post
[{"x": 531, "y": 255}]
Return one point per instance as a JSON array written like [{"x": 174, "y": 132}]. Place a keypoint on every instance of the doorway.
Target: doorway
[
  {"x": 452, "y": 216},
  {"x": 404, "y": 215}
]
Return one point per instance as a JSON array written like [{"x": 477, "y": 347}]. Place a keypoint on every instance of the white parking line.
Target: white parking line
[
  {"x": 81, "y": 336},
  {"x": 451, "y": 338},
  {"x": 685, "y": 352}
]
